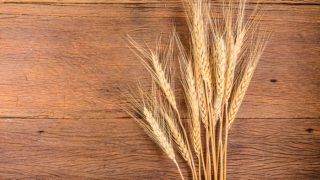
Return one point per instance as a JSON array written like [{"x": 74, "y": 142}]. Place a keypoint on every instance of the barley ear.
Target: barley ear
[
  {"x": 153, "y": 62},
  {"x": 258, "y": 42},
  {"x": 220, "y": 68}
]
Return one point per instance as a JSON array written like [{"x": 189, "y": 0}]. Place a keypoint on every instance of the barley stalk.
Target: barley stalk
[
  {"x": 151, "y": 60},
  {"x": 235, "y": 50},
  {"x": 194, "y": 104},
  {"x": 235, "y": 45},
  {"x": 178, "y": 138},
  {"x": 160, "y": 136},
  {"x": 164, "y": 82},
  {"x": 198, "y": 24},
  {"x": 220, "y": 65},
  {"x": 239, "y": 95},
  {"x": 220, "y": 68},
  {"x": 189, "y": 85},
  {"x": 199, "y": 39},
  {"x": 245, "y": 78}
]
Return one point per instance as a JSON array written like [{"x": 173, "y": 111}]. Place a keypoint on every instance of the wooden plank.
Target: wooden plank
[
  {"x": 119, "y": 149},
  {"x": 69, "y": 62},
  {"x": 62, "y": 63},
  {"x": 147, "y": 1},
  {"x": 146, "y": 10}
]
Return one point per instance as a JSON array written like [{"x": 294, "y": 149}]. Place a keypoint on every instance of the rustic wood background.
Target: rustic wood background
[{"x": 63, "y": 61}]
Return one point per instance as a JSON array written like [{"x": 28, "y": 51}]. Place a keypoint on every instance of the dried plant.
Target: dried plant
[{"x": 215, "y": 75}]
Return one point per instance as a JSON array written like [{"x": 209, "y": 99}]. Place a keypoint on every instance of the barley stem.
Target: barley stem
[{"x": 179, "y": 170}]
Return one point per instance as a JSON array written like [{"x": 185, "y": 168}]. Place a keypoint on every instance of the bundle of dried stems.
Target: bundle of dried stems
[{"x": 215, "y": 73}]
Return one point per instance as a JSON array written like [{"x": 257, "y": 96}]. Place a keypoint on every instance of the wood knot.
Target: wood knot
[
  {"x": 310, "y": 130},
  {"x": 273, "y": 80}
]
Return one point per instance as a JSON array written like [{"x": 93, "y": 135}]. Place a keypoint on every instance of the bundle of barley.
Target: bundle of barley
[{"x": 215, "y": 74}]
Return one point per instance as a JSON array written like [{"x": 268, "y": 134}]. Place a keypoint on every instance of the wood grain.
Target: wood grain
[
  {"x": 74, "y": 57},
  {"x": 62, "y": 64},
  {"x": 119, "y": 149},
  {"x": 299, "y": 2}
]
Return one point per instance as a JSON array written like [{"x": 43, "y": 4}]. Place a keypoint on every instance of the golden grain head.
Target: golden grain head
[{"x": 215, "y": 73}]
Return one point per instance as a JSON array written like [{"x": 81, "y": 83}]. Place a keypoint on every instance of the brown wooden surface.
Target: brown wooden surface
[{"x": 62, "y": 63}]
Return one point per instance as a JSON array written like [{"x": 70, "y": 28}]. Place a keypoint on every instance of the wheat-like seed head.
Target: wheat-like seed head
[
  {"x": 234, "y": 51},
  {"x": 220, "y": 65},
  {"x": 177, "y": 136},
  {"x": 163, "y": 82},
  {"x": 239, "y": 95},
  {"x": 194, "y": 105},
  {"x": 220, "y": 68},
  {"x": 151, "y": 60},
  {"x": 189, "y": 85},
  {"x": 236, "y": 42},
  {"x": 203, "y": 104},
  {"x": 140, "y": 107},
  {"x": 199, "y": 35},
  {"x": 231, "y": 60},
  {"x": 258, "y": 44},
  {"x": 158, "y": 133}
]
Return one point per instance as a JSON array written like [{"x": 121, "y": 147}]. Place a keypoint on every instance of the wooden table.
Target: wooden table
[{"x": 62, "y": 63}]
